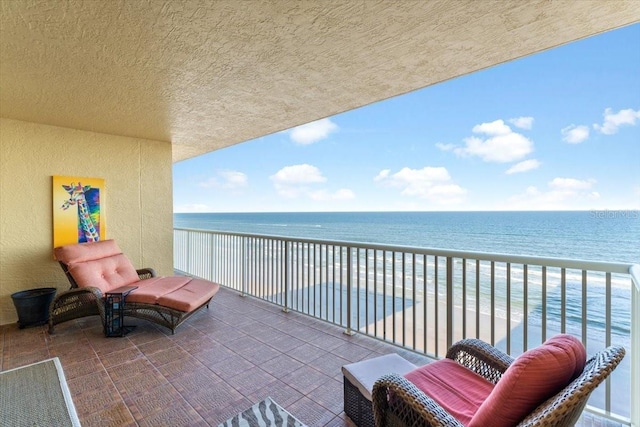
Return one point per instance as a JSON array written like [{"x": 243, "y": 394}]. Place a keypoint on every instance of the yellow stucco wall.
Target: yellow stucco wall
[{"x": 138, "y": 200}]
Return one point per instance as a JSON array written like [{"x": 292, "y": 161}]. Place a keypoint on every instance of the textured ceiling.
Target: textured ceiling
[{"x": 208, "y": 74}]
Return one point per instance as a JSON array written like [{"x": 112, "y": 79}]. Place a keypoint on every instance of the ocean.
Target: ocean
[
  {"x": 610, "y": 236},
  {"x": 603, "y": 235}
]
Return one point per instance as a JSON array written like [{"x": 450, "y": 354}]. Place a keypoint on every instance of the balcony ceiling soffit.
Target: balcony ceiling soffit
[{"x": 206, "y": 75}]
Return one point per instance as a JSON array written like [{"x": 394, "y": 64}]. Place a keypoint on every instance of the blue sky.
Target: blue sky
[{"x": 559, "y": 130}]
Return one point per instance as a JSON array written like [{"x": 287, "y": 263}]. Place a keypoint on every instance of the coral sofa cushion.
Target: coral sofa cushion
[
  {"x": 531, "y": 379},
  {"x": 150, "y": 290},
  {"x": 190, "y": 296},
  {"x": 105, "y": 273},
  {"x": 457, "y": 389},
  {"x": 82, "y": 252},
  {"x": 178, "y": 292}
]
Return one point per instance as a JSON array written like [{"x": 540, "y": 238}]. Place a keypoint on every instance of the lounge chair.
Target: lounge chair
[
  {"x": 478, "y": 385},
  {"x": 96, "y": 268}
]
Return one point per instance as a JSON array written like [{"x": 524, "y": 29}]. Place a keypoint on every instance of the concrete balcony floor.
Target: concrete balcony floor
[{"x": 220, "y": 362}]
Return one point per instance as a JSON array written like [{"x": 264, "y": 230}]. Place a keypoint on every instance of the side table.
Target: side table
[
  {"x": 359, "y": 378},
  {"x": 114, "y": 302}
]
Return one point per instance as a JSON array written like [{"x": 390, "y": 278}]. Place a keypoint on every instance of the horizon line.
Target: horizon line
[{"x": 424, "y": 211}]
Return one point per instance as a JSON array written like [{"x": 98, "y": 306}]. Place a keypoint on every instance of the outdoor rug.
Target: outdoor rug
[
  {"x": 36, "y": 395},
  {"x": 263, "y": 414}
]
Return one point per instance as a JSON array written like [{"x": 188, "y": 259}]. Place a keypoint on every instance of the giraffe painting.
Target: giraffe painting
[{"x": 87, "y": 228}]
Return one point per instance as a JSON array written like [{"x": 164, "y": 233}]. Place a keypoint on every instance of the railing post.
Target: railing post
[
  {"x": 635, "y": 344},
  {"x": 450, "y": 313},
  {"x": 349, "y": 331},
  {"x": 188, "y": 252},
  {"x": 243, "y": 293},
  {"x": 286, "y": 277}
]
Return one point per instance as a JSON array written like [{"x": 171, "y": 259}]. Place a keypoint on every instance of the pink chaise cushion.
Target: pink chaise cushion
[
  {"x": 457, "y": 389},
  {"x": 150, "y": 290},
  {"x": 190, "y": 296},
  {"x": 531, "y": 379},
  {"x": 82, "y": 252},
  {"x": 105, "y": 274}
]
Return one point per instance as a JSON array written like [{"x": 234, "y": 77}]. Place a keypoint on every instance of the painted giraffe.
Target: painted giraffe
[{"x": 76, "y": 193}]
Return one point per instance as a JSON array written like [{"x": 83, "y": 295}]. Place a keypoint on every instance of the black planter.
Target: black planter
[{"x": 33, "y": 306}]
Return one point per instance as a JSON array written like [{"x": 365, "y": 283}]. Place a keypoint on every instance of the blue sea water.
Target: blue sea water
[{"x": 612, "y": 236}]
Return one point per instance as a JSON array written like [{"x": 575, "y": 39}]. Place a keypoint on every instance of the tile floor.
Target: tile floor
[{"x": 218, "y": 363}]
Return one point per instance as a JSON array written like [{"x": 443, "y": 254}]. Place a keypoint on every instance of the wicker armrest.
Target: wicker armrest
[
  {"x": 396, "y": 398},
  {"x": 146, "y": 273},
  {"x": 75, "y": 303},
  {"x": 481, "y": 358}
]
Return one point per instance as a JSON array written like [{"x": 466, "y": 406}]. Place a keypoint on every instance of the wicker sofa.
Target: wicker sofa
[
  {"x": 397, "y": 401},
  {"x": 95, "y": 268}
]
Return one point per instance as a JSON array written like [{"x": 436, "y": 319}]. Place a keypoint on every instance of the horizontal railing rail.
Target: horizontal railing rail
[{"x": 425, "y": 299}]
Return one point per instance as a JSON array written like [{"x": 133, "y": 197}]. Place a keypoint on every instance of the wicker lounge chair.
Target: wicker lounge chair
[
  {"x": 398, "y": 402},
  {"x": 95, "y": 268}
]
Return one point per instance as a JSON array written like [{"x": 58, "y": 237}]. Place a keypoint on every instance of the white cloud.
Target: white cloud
[
  {"x": 312, "y": 132},
  {"x": 575, "y": 134},
  {"x": 571, "y": 184},
  {"x": 209, "y": 183},
  {"x": 382, "y": 175},
  {"x": 302, "y": 181},
  {"x": 522, "y": 122},
  {"x": 524, "y": 166},
  {"x": 445, "y": 147},
  {"x": 612, "y": 121},
  {"x": 497, "y": 127},
  {"x": 234, "y": 179},
  {"x": 560, "y": 194},
  {"x": 502, "y": 144},
  {"x": 298, "y": 174},
  {"x": 293, "y": 181},
  {"x": 500, "y": 149},
  {"x": 227, "y": 180},
  {"x": 343, "y": 194},
  {"x": 431, "y": 183}
]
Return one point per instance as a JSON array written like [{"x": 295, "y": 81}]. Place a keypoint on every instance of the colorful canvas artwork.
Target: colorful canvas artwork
[{"x": 78, "y": 210}]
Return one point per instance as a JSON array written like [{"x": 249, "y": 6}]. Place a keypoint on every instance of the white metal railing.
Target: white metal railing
[
  {"x": 426, "y": 299},
  {"x": 634, "y": 271}
]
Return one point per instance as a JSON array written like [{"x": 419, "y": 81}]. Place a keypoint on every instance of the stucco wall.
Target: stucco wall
[{"x": 138, "y": 200}]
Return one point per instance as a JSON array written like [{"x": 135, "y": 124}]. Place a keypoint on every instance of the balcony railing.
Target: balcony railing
[{"x": 426, "y": 299}]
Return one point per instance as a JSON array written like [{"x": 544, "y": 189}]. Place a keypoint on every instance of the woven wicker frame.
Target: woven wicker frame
[
  {"x": 88, "y": 301},
  {"x": 397, "y": 402},
  {"x": 357, "y": 407}
]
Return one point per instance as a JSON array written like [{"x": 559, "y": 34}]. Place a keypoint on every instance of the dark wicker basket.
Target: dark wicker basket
[{"x": 32, "y": 306}]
